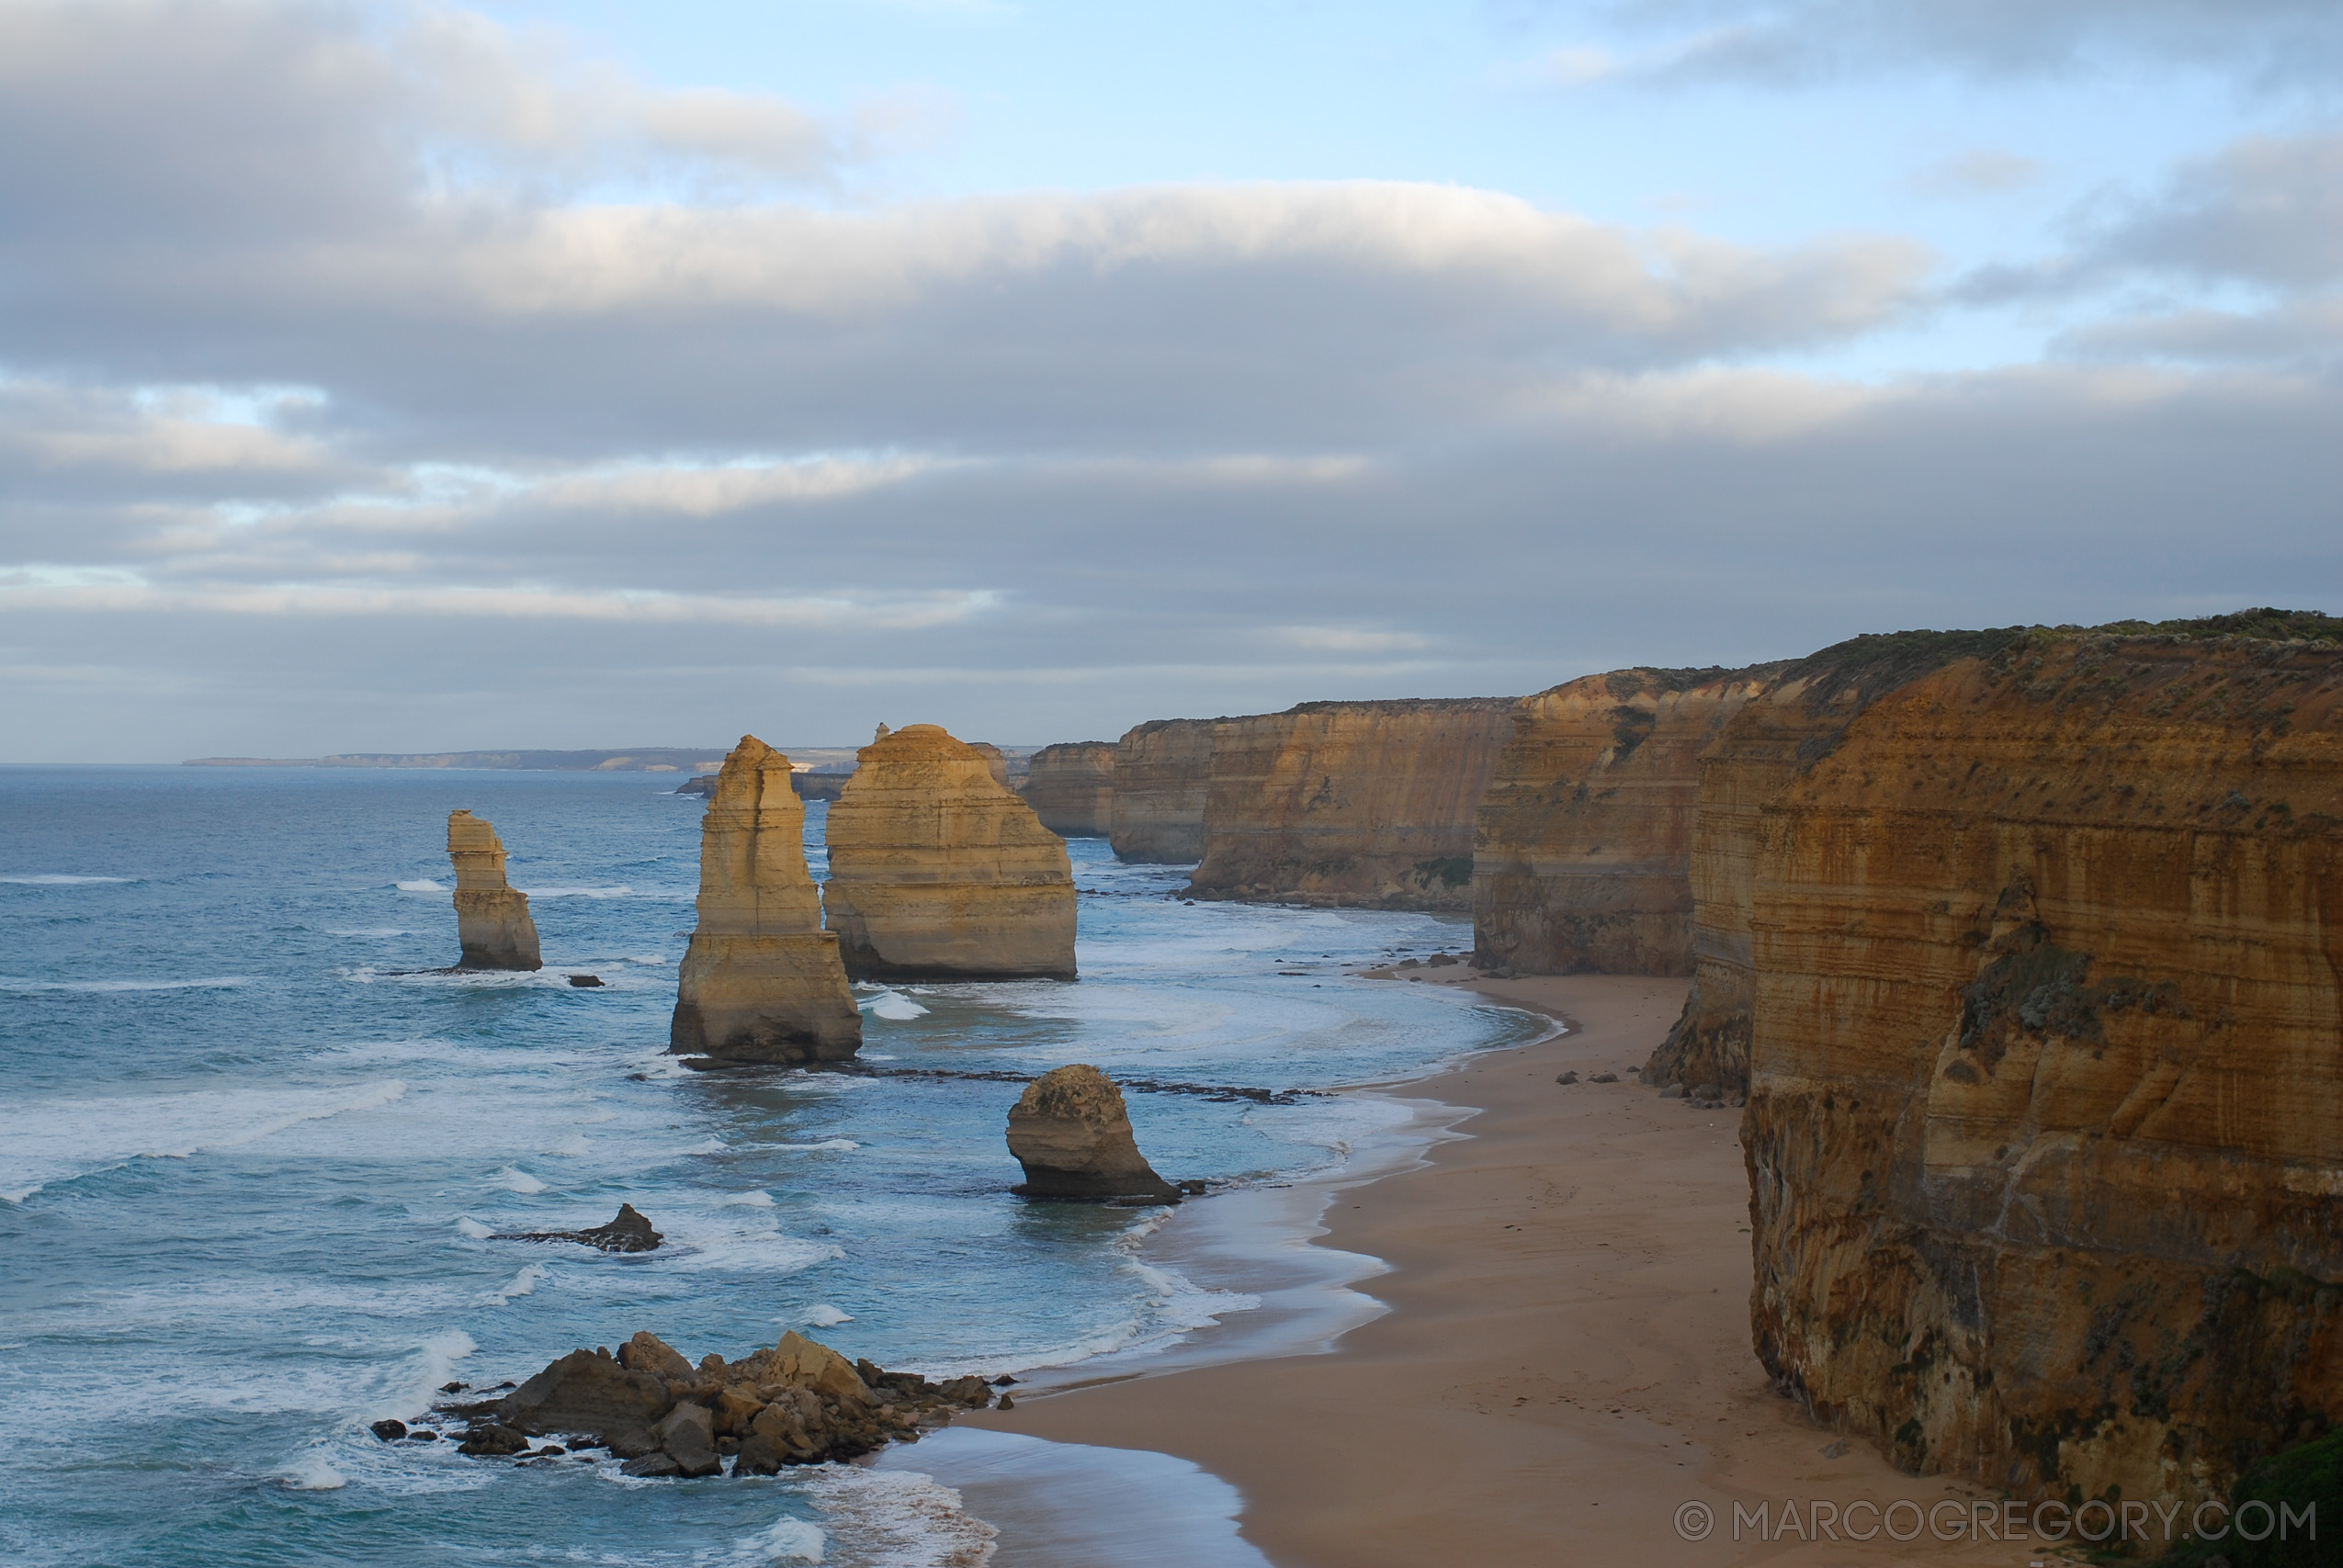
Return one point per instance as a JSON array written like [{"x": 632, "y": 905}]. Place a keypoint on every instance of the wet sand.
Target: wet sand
[{"x": 1566, "y": 1362}]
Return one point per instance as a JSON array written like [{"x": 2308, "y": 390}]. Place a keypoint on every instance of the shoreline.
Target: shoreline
[{"x": 1551, "y": 1351}]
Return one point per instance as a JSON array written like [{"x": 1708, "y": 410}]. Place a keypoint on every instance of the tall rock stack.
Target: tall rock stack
[
  {"x": 760, "y": 981},
  {"x": 1359, "y": 804},
  {"x": 1071, "y": 788},
  {"x": 2045, "y": 1119},
  {"x": 1162, "y": 780},
  {"x": 492, "y": 918},
  {"x": 938, "y": 872},
  {"x": 1583, "y": 848}
]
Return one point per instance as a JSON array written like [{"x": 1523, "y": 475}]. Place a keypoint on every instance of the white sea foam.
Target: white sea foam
[
  {"x": 897, "y": 1519},
  {"x": 99, "y": 987},
  {"x": 757, "y": 1200},
  {"x": 836, "y": 1146},
  {"x": 54, "y": 879},
  {"x": 573, "y": 1146},
  {"x": 473, "y": 1228},
  {"x": 312, "y": 1473},
  {"x": 823, "y": 1316},
  {"x": 789, "y": 1540},
  {"x": 513, "y": 1179},
  {"x": 421, "y": 884},
  {"x": 524, "y": 1283},
  {"x": 895, "y": 1006},
  {"x": 425, "y": 1368},
  {"x": 44, "y": 1139}
]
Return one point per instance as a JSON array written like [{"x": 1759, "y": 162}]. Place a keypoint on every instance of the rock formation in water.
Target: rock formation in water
[
  {"x": 1366, "y": 803},
  {"x": 2045, "y": 1119},
  {"x": 492, "y": 919},
  {"x": 629, "y": 1232},
  {"x": 1070, "y": 1131},
  {"x": 798, "y": 1403},
  {"x": 1070, "y": 787},
  {"x": 760, "y": 981},
  {"x": 1582, "y": 848},
  {"x": 1162, "y": 780},
  {"x": 938, "y": 872}
]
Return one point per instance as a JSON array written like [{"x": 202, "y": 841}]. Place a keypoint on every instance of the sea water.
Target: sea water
[{"x": 255, "y": 1150}]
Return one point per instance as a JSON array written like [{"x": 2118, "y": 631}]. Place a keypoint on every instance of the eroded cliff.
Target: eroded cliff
[
  {"x": 938, "y": 872},
  {"x": 1070, "y": 787},
  {"x": 1583, "y": 843},
  {"x": 760, "y": 981},
  {"x": 1162, "y": 781},
  {"x": 1366, "y": 803},
  {"x": 493, "y": 923},
  {"x": 2045, "y": 1127}
]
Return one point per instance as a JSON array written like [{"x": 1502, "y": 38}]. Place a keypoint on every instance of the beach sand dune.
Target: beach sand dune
[{"x": 1565, "y": 1364}]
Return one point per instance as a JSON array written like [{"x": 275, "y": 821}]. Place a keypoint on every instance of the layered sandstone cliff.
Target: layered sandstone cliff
[
  {"x": 1071, "y": 788},
  {"x": 1071, "y": 1132},
  {"x": 493, "y": 923},
  {"x": 2045, "y": 1127},
  {"x": 1162, "y": 781},
  {"x": 1583, "y": 843},
  {"x": 1771, "y": 740},
  {"x": 938, "y": 872},
  {"x": 760, "y": 981},
  {"x": 1366, "y": 803}
]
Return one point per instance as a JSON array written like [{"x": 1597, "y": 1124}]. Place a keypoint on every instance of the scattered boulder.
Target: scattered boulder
[
  {"x": 655, "y": 1464},
  {"x": 646, "y": 1352},
  {"x": 1071, "y": 1134},
  {"x": 586, "y": 982},
  {"x": 687, "y": 1434},
  {"x": 585, "y": 1391},
  {"x": 390, "y": 1430},
  {"x": 630, "y": 1232},
  {"x": 1566, "y": 1077},
  {"x": 1604, "y": 1078},
  {"x": 492, "y": 1439}
]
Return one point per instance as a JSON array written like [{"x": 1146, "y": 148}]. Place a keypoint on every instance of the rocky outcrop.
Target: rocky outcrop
[
  {"x": 1162, "y": 780},
  {"x": 1582, "y": 848},
  {"x": 938, "y": 872},
  {"x": 798, "y": 1403},
  {"x": 630, "y": 1232},
  {"x": 1070, "y": 787},
  {"x": 1070, "y": 1131},
  {"x": 760, "y": 981},
  {"x": 2046, "y": 1118},
  {"x": 1773, "y": 739},
  {"x": 492, "y": 918},
  {"x": 1365, "y": 804}
]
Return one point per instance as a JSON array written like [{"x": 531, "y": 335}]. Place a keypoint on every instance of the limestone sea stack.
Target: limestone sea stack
[
  {"x": 1070, "y": 1131},
  {"x": 1357, "y": 804},
  {"x": 1070, "y": 787},
  {"x": 1162, "y": 780},
  {"x": 2046, "y": 1118},
  {"x": 937, "y": 872},
  {"x": 1583, "y": 844},
  {"x": 760, "y": 981},
  {"x": 492, "y": 918}
]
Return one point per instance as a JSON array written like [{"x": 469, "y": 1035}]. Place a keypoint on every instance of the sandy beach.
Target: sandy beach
[{"x": 1564, "y": 1374}]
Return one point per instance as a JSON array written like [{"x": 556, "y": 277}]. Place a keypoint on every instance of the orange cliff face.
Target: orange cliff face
[
  {"x": 1771, "y": 740},
  {"x": 1367, "y": 804},
  {"x": 2045, "y": 1127},
  {"x": 1162, "y": 779},
  {"x": 760, "y": 981},
  {"x": 938, "y": 872},
  {"x": 1581, "y": 850},
  {"x": 1070, "y": 787}
]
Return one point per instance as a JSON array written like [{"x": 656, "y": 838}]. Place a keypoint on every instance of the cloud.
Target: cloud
[
  {"x": 1981, "y": 170},
  {"x": 1799, "y": 43}
]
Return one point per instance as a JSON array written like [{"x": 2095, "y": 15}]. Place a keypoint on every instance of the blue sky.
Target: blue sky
[{"x": 420, "y": 375}]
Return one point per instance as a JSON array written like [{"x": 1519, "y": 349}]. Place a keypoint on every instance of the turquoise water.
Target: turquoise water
[{"x": 248, "y": 1167}]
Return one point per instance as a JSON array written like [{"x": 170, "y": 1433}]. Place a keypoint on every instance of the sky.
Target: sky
[{"x": 416, "y": 377}]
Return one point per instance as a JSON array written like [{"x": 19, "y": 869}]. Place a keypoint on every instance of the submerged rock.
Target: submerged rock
[
  {"x": 493, "y": 920},
  {"x": 630, "y": 1232},
  {"x": 1070, "y": 1131},
  {"x": 760, "y": 981}
]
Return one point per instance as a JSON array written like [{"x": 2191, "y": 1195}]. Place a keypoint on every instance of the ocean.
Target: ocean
[{"x": 252, "y": 1154}]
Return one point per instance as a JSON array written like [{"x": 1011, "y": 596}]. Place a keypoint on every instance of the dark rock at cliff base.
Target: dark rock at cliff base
[
  {"x": 586, "y": 1391},
  {"x": 687, "y": 1435},
  {"x": 586, "y": 982},
  {"x": 630, "y": 1232},
  {"x": 1073, "y": 1137},
  {"x": 654, "y": 1465},
  {"x": 492, "y": 1439},
  {"x": 388, "y": 1431}
]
